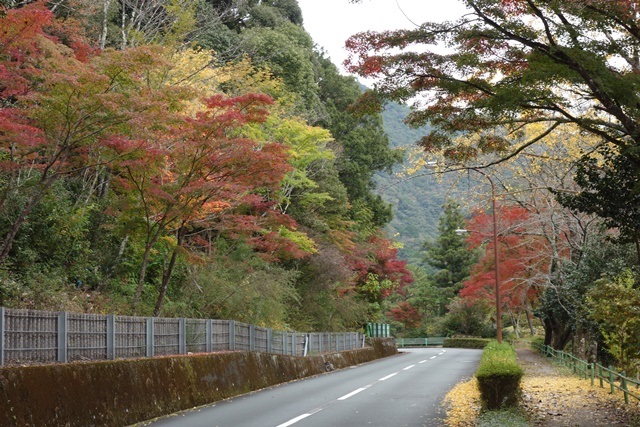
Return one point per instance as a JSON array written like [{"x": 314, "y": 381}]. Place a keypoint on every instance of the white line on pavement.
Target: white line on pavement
[
  {"x": 346, "y": 396},
  {"x": 294, "y": 420},
  {"x": 408, "y": 367},
  {"x": 388, "y": 376},
  {"x": 423, "y": 361}
]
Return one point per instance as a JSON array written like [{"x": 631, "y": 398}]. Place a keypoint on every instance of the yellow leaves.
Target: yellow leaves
[
  {"x": 197, "y": 70},
  {"x": 192, "y": 67},
  {"x": 463, "y": 405}
]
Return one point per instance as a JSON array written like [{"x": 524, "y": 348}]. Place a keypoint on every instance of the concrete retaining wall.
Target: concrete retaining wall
[{"x": 124, "y": 392}]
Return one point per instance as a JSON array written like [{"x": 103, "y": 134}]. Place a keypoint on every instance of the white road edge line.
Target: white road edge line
[
  {"x": 408, "y": 367},
  {"x": 346, "y": 396},
  {"x": 423, "y": 361},
  {"x": 294, "y": 420},
  {"x": 388, "y": 376},
  {"x": 433, "y": 357}
]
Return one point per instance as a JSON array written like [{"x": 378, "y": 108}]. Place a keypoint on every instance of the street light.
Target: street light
[{"x": 433, "y": 165}]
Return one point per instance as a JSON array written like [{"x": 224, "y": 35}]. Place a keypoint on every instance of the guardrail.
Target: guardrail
[
  {"x": 33, "y": 336},
  {"x": 419, "y": 342},
  {"x": 615, "y": 380}
]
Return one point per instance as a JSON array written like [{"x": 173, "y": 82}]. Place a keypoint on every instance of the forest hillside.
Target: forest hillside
[{"x": 203, "y": 158}]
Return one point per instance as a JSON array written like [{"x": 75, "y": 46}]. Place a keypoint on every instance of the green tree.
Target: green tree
[
  {"x": 364, "y": 147},
  {"x": 562, "y": 306},
  {"x": 613, "y": 303},
  {"x": 450, "y": 254},
  {"x": 610, "y": 190}
]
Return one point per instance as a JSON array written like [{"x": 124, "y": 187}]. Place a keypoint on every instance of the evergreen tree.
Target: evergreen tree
[{"x": 449, "y": 254}]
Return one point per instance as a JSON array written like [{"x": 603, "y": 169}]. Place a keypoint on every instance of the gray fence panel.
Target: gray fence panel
[
  {"x": 131, "y": 337},
  {"x": 31, "y": 336},
  {"x": 260, "y": 339},
  {"x": 220, "y": 335},
  {"x": 111, "y": 336},
  {"x": 166, "y": 336},
  {"x": 242, "y": 336},
  {"x": 196, "y": 333},
  {"x": 277, "y": 342},
  {"x": 86, "y": 337}
]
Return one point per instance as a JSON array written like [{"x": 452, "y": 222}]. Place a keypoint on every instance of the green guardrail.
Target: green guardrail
[
  {"x": 593, "y": 371},
  {"x": 419, "y": 342}
]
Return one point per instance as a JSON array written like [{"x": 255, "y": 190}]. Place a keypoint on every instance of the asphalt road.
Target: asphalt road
[{"x": 403, "y": 390}]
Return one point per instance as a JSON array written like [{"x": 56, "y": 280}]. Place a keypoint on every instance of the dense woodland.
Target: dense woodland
[{"x": 202, "y": 158}]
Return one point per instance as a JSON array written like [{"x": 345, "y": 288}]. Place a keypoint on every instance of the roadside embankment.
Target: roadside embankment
[{"x": 124, "y": 392}]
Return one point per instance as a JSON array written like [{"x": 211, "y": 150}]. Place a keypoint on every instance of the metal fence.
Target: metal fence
[
  {"x": 594, "y": 371},
  {"x": 32, "y": 336}
]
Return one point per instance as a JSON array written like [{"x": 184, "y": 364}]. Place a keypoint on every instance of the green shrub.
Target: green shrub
[
  {"x": 466, "y": 342},
  {"x": 499, "y": 376}
]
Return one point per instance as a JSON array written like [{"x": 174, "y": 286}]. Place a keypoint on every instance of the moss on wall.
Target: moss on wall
[{"x": 124, "y": 392}]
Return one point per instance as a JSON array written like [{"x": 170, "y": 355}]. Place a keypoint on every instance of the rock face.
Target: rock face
[{"x": 124, "y": 392}]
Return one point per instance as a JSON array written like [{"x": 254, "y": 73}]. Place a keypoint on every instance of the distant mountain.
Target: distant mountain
[{"x": 417, "y": 201}]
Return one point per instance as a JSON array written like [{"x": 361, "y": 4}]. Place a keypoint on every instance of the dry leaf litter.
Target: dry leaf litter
[{"x": 551, "y": 396}]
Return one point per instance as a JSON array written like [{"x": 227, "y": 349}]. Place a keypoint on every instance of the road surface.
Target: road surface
[{"x": 402, "y": 390}]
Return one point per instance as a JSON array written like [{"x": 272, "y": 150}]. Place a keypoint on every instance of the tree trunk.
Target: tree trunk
[
  {"x": 548, "y": 331},
  {"x": 529, "y": 315},
  {"x": 105, "y": 22},
  {"x": 515, "y": 321},
  {"x": 7, "y": 242},
  {"x": 143, "y": 268},
  {"x": 166, "y": 276},
  {"x": 124, "y": 25},
  {"x": 109, "y": 274}
]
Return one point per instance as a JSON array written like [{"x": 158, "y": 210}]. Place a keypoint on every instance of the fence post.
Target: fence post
[
  {"x": 151, "y": 350},
  {"x": 293, "y": 345},
  {"x": 208, "y": 331},
  {"x": 600, "y": 375},
  {"x": 62, "y": 336},
  {"x": 269, "y": 340},
  {"x": 252, "y": 338},
  {"x": 592, "y": 367},
  {"x": 613, "y": 386},
  {"x": 111, "y": 336},
  {"x": 2, "y": 336},
  {"x": 284, "y": 343},
  {"x": 232, "y": 335},
  {"x": 623, "y": 384},
  {"x": 182, "y": 335}
]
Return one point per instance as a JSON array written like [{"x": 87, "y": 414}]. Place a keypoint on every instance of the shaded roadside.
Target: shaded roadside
[{"x": 552, "y": 396}]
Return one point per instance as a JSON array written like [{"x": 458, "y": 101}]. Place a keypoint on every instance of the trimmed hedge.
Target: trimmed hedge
[
  {"x": 477, "y": 343},
  {"x": 499, "y": 376}
]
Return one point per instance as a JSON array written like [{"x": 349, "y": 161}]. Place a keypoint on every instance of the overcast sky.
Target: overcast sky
[{"x": 331, "y": 22}]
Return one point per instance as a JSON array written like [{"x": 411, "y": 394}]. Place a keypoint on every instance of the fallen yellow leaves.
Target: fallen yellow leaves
[
  {"x": 569, "y": 400},
  {"x": 551, "y": 397},
  {"x": 462, "y": 404}
]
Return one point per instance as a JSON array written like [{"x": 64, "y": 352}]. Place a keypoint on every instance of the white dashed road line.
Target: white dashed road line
[
  {"x": 388, "y": 376},
  {"x": 294, "y": 420},
  {"x": 353, "y": 393}
]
